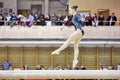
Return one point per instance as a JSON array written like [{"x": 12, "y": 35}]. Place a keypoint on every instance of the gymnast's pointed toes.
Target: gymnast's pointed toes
[{"x": 55, "y": 52}]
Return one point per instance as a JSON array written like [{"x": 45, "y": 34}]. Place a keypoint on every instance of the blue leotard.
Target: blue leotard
[{"x": 76, "y": 21}]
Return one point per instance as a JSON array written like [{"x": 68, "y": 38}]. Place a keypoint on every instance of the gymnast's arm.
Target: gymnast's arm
[{"x": 69, "y": 19}]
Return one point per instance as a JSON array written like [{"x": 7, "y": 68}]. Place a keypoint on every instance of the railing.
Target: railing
[{"x": 5, "y": 23}]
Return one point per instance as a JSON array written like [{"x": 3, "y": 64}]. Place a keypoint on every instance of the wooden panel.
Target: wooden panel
[
  {"x": 60, "y": 59},
  {"x": 104, "y": 57},
  {"x": 44, "y": 56},
  {"x": 70, "y": 55},
  {"x": 2, "y": 55},
  {"x": 14, "y": 56},
  {"x": 89, "y": 58},
  {"x": 29, "y": 57},
  {"x": 116, "y": 56}
]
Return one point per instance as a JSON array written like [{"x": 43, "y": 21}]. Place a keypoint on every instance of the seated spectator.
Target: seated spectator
[
  {"x": 82, "y": 67},
  {"x": 111, "y": 20},
  {"x": 69, "y": 67},
  {"x": 25, "y": 67},
  {"x": 50, "y": 68},
  {"x": 110, "y": 67},
  {"x": 38, "y": 67},
  {"x": 6, "y": 65}
]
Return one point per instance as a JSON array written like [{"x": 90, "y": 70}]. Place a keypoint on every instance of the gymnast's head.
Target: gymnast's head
[{"x": 73, "y": 9}]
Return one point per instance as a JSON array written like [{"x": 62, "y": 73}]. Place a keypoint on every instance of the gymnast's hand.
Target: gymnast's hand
[{"x": 62, "y": 27}]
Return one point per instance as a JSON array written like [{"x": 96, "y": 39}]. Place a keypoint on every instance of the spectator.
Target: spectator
[
  {"x": 36, "y": 17},
  {"x": 111, "y": 20},
  {"x": 50, "y": 68},
  {"x": 42, "y": 20},
  {"x": 25, "y": 67},
  {"x": 31, "y": 20},
  {"x": 59, "y": 20},
  {"x": 48, "y": 18},
  {"x": 118, "y": 66},
  {"x": 53, "y": 20},
  {"x": 84, "y": 19},
  {"x": 69, "y": 67},
  {"x": 82, "y": 67},
  {"x": 38, "y": 67},
  {"x": 13, "y": 20},
  {"x": 100, "y": 19},
  {"x": 6, "y": 65},
  {"x": 89, "y": 18},
  {"x": 8, "y": 17},
  {"x": 1, "y": 19},
  {"x": 94, "y": 22}
]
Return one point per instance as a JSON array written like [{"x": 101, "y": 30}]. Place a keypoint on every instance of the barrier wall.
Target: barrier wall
[{"x": 18, "y": 32}]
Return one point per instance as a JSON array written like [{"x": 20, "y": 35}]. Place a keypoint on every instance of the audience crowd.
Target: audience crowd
[
  {"x": 6, "y": 65},
  {"x": 56, "y": 20}
]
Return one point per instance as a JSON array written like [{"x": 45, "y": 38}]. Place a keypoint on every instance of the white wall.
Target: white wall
[
  {"x": 26, "y": 4},
  {"x": 10, "y": 4}
]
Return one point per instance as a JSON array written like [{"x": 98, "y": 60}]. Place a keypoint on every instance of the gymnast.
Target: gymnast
[{"x": 75, "y": 36}]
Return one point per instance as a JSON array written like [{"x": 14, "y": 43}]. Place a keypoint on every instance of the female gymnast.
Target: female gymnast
[{"x": 75, "y": 36}]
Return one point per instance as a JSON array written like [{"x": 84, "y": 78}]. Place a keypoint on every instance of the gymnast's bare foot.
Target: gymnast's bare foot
[{"x": 55, "y": 52}]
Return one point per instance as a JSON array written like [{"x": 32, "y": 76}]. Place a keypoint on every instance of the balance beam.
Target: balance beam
[{"x": 60, "y": 74}]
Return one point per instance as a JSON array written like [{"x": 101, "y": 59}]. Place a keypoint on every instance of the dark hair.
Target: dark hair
[{"x": 74, "y": 7}]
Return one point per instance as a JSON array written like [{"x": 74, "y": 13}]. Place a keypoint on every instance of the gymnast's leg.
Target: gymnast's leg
[
  {"x": 75, "y": 35},
  {"x": 76, "y": 51}
]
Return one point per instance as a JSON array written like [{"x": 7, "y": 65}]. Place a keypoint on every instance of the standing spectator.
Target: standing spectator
[
  {"x": 89, "y": 18},
  {"x": 84, "y": 19},
  {"x": 6, "y": 65},
  {"x": 53, "y": 20},
  {"x": 31, "y": 20},
  {"x": 42, "y": 20},
  {"x": 59, "y": 20},
  {"x": 1, "y": 19},
  {"x": 8, "y": 17},
  {"x": 100, "y": 19},
  {"x": 94, "y": 20},
  {"x": 111, "y": 20},
  {"x": 36, "y": 17},
  {"x": 118, "y": 66},
  {"x": 13, "y": 20},
  {"x": 47, "y": 17}
]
